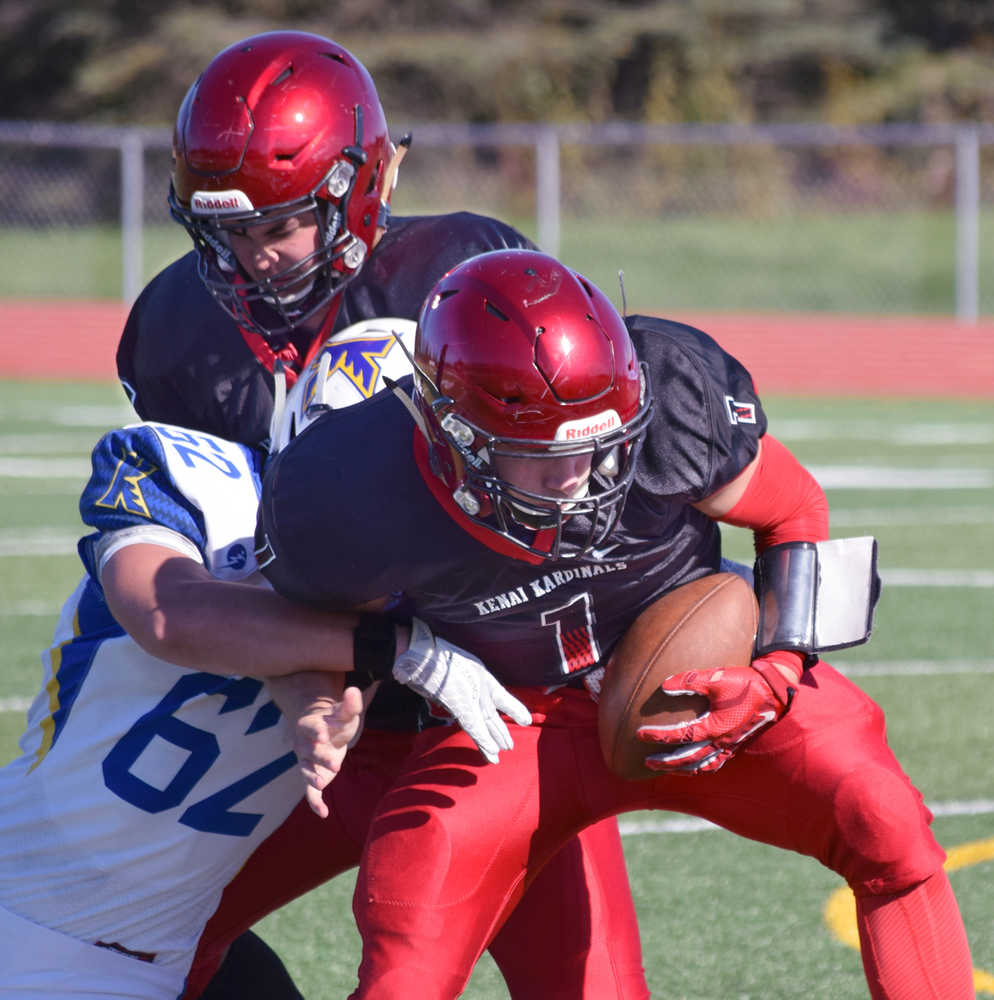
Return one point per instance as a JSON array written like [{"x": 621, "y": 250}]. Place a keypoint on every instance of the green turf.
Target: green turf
[
  {"x": 721, "y": 918},
  {"x": 859, "y": 262}
]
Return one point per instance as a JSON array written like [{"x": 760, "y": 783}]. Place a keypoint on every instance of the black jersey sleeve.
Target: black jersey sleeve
[
  {"x": 413, "y": 254},
  {"x": 344, "y": 516},
  {"x": 182, "y": 360},
  {"x": 707, "y": 420}
]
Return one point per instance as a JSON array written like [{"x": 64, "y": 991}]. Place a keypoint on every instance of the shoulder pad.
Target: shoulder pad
[
  {"x": 349, "y": 368},
  {"x": 197, "y": 485}
]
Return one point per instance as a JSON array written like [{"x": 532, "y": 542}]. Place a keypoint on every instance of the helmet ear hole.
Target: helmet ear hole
[{"x": 375, "y": 178}]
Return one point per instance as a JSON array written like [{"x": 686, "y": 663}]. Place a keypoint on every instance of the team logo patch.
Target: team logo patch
[
  {"x": 740, "y": 413},
  {"x": 220, "y": 202},
  {"x": 358, "y": 360},
  {"x": 237, "y": 556},
  {"x": 124, "y": 491}
]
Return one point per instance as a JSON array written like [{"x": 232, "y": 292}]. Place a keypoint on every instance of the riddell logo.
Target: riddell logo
[
  {"x": 578, "y": 430},
  {"x": 220, "y": 202}
]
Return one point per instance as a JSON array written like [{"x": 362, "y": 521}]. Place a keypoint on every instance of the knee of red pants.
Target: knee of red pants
[
  {"x": 574, "y": 935},
  {"x": 424, "y": 951},
  {"x": 882, "y": 841},
  {"x": 418, "y": 976},
  {"x": 828, "y": 771},
  {"x": 447, "y": 853}
]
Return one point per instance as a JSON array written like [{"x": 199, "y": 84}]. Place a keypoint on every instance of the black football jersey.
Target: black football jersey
[
  {"x": 349, "y": 515},
  {"x": 184, "y": 361}
]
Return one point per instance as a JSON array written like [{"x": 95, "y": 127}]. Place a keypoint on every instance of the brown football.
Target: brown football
[{"x": 710, "y": 622}]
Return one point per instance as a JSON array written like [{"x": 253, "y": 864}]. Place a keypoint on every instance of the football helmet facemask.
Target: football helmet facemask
[
  {"x": 532, "y": 399},
  {"x": 278, "y": 125}
]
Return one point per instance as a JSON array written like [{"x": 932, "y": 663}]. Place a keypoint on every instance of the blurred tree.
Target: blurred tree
[
  {"x": 943, "y": 24},
  {"x": 513, "y": 60},
  {"x": 42, "y": 46}
]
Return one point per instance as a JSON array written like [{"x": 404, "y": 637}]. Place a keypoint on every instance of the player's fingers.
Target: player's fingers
[
  {"x": 315, "y": 800},
  {"x": 712, "y": 762},
  {"x": 339, "y": 734},
  {"x": 496, "y": 726},
  {"x": 328, "y": 759},
  {"x": 676, "y": 733},
  {"x": 325, "y": 736},
  {"x": 512, "y": 708},
  {"x": 498, "y": 730},
  {"x": 352, "y": 703},
  {"x": 477, "y": 731},
  {"x": 681, "y": 758},
  {"x": 689, "y": 682}
]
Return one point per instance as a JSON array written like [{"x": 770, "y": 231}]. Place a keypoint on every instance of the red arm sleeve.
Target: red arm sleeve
[{"x": 783, "y": 501}]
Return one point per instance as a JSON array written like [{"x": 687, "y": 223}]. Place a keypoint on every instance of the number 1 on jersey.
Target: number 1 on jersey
[{"x": 574, "y": 625}]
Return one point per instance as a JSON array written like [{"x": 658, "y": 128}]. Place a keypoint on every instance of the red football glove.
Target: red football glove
[{"x": 743, "y": 700}]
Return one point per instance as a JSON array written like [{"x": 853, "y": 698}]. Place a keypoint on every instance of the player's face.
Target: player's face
[
  {"x": 267, "y": 249},
  {"x": 563, "y": 477}
]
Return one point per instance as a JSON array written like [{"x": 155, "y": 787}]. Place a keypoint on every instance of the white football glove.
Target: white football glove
[{"x": 462, "y": 685}]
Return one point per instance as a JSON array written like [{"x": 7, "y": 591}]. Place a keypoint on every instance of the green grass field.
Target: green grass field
[
  {"x": 721, "y": 918},
  {"x": 865, "y": 262}
]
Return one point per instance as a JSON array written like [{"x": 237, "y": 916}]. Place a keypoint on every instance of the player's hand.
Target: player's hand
[
  {"x": 325, "y": 721},
  {"x": 743, "y": 701},
  {"x": 463, "y": 686},
  {"x": 321, "y": 739}
]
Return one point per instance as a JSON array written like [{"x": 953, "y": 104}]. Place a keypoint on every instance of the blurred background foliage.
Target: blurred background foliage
[{"x": 843, "y": 62}]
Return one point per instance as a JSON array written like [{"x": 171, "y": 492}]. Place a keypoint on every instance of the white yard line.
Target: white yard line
[
  {"x": 883, "y": 477},
  {"x": 30, "y": 443},
  {"x": 895, "y": 517},
  {"x": 30, "y": 609},
  {"x": 24, "y": 544},
  {"x": 982, "y": 578},
  {"x": 912, "y": 668},
  {"x": 909, "y": 433},
  {"x": 78, "y": 469},
  {"x": 94, "y": 415},
  {"x": 690, "y": 824}
]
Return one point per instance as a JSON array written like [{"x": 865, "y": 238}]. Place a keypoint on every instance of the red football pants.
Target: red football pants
[
  {"x": 574, "y": 935},
  {"x": 456, "y": 842}
]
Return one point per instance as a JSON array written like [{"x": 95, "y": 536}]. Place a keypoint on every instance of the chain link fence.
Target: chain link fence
[{"x": 763, "y": 219}]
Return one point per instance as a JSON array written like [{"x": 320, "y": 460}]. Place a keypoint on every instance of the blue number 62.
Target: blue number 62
[{"x": 212, "y": 814}]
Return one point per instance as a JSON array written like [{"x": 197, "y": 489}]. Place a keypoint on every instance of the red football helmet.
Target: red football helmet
[
  {"x": 278, "y": 124},
  {"x": 525, "y": 376}
]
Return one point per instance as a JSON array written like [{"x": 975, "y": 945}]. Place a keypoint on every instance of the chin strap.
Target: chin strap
[
  {"x": 389, "y": 181},
  {"x": 408, "y": 405},
  {"x": 279, "y": 402}
]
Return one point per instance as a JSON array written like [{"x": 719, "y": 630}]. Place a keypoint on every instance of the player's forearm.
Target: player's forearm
[
  {"x": 238, "y": 628},
  {"x": 175, "y": 610}
]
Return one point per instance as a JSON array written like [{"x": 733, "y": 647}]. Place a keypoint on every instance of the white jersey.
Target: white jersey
[{"x": 142, "y": 787}]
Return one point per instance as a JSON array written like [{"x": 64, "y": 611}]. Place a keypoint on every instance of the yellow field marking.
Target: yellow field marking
[{"x": 840, "y": 909}]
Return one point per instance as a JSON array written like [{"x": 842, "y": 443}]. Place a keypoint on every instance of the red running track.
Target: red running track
[{"x": 813, "y": 353}]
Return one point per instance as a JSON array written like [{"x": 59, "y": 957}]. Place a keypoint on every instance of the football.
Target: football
[{"x": 710, "y": 622}]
